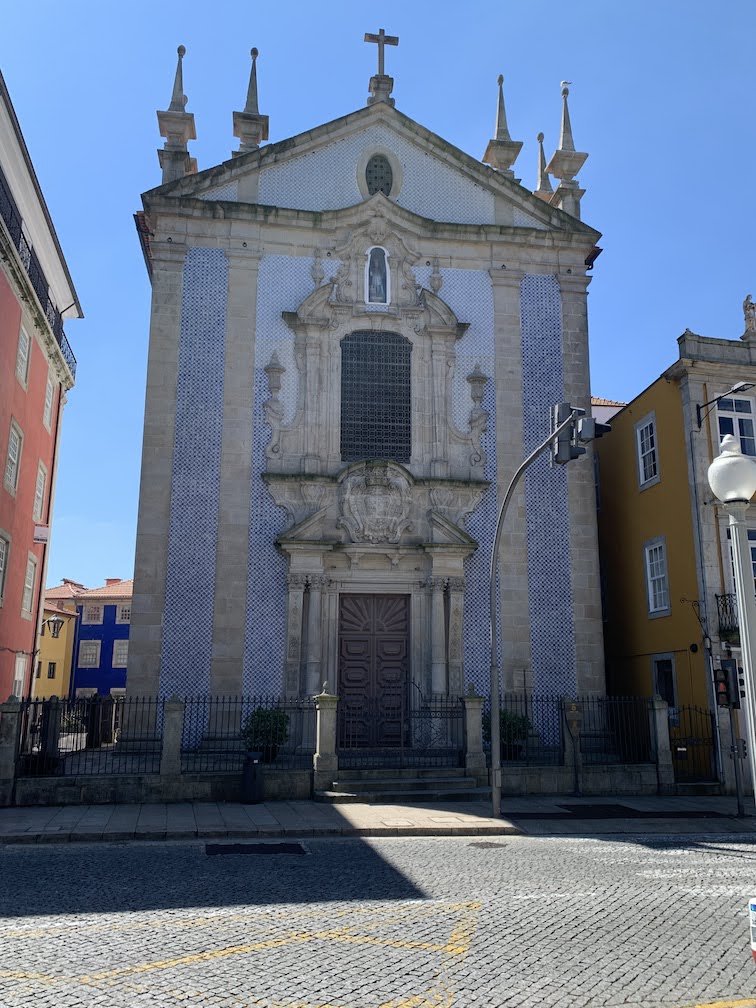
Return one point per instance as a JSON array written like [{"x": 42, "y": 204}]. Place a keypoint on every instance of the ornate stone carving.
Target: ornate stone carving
[
  {"x": 317, "y": 272},
  {"x": 375, "y": 504},
  {"x": 313, "y": 495},
  {"x": 296, "y": 582},
  {"x": 273, "y": 407},
  {"x": 436, "y": 280},
  {"x": 478, "y": 416},
  {"x": 456, "y": 584},
  {"x": 436, "y": 583}
]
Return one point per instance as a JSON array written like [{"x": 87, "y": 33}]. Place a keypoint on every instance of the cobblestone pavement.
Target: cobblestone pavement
[{"x": 380, "y": 923}]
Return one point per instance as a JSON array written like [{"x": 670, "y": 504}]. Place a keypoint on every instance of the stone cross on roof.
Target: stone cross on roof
[{"x": 382, "y": 39}]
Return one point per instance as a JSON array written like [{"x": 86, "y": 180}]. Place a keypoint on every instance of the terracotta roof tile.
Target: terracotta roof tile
[
  {"x": 116, "y": 589},
  {"x": 595, "y": 401},
  {"x": 69, "y": 589}
]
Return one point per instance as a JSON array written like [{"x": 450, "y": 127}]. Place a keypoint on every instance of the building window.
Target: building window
[
  {"x": 656, "y": 577},
  {"x": 379, "y": 176},
  {"x": 51, "y": 670},
  {"x": 4, "y": 554},
  {"x": 89, "y": 654},
  {"x": 22, "y": 356},
  {"x": 27, "y": 600},
  {"x": 736, "y": 417},
  {"x": 752, "y": 552},
  {"x": 92, "y": 614},
  {"x": 49, "y": 396},
  {"x": 648, "y": 458},
  {"x": 39, "y": 493},
  {"x": 375, "y": 396},
  {"x": 38, "y": 673},
  {"x": 19, "y": 675},
  {"x": 13, "y": 458},
  {"x": 55, "y": 628},
  {"x": 664, "y": 682},
  {"x": 123, "y": 613},
  {"x": 377, "y": 277},
  {"x": 120, "y": 653}
]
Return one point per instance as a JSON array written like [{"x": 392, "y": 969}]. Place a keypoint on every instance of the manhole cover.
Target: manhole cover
[
  {"x": 296, "y": 849},
  {"x": 486, "y": 844}
]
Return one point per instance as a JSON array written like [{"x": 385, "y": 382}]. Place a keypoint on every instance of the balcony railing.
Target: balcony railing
[
  {"x": 727, "y": 614},
  {"x": 12, "y": 219}
]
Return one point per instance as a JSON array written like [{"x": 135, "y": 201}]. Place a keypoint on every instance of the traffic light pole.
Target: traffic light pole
[
  {"x": 493, "y": 577},
  {"x": 736, "y": 757}
]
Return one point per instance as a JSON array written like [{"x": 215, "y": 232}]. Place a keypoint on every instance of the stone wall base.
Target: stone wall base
[
  {"x": 154, "y": 788},
  {"x": 616, "y": 779}
]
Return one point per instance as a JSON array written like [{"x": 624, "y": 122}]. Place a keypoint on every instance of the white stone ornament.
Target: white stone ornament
[{"x": 375, "y": 504}]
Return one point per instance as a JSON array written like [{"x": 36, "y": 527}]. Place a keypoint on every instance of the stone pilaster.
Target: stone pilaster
[
  {"x": 145, "y": 632},
  {"x": 296, "y": 585},
  {"x": 231, "y": 566},
  {"x": 314, "y": 650},
  {"x": 581, "y": 489},
  {"x": 515, "y": 614},
  {"x": 439, "y": 677},
  {"x": 325, "y": 761},
  {"x": 455, "y": 650}
]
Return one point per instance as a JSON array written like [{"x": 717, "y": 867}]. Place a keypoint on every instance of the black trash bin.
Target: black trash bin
[{"x": 252, "y": 783}]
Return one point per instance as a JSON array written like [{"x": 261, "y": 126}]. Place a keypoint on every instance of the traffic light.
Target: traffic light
[
  {"x": 726, "y": 685},
  {"x": 589, "y": 429},
  {"x": 565, "y": 447}
]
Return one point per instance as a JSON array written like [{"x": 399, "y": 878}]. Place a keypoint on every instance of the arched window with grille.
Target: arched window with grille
[{"x": 376, "y": 417}]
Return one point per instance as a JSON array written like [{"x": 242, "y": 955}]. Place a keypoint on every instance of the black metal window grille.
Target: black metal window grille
[
  {"x": 375, "y": 396},
  {"x": 378, "y": 175}
]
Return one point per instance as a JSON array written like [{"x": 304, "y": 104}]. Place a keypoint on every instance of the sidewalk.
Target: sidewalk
[{"x": 552, "y": 816}]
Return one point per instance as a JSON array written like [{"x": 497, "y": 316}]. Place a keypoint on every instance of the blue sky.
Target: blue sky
[{"x": 663, "y": 99}]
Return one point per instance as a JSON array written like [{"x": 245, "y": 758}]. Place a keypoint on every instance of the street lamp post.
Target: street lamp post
[{"x": 732, "y": 478}]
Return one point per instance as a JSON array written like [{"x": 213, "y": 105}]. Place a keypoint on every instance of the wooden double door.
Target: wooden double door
[{"x": 373, "y": 670}]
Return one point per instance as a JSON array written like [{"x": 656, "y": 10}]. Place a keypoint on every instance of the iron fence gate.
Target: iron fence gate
[
  {"x": 692, "y": 737},
  {"x": 427, "y": 732}
]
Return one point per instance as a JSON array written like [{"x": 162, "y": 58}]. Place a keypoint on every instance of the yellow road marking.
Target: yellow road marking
[{"x": 745, "y": 1003}]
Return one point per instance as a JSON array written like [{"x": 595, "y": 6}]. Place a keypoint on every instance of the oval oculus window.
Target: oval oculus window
[{"x": 378, "y": 175}]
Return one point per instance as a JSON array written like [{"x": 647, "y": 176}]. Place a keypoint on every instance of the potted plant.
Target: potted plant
[
  {"x": 264, "y": 730},
  {"x": 513, "y": 730}
]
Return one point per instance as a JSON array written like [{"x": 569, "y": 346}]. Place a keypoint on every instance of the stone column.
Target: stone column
[
  {"x": 10, "y": 729},
  {"x": 231, "y": 574},
  {"x": 441, "y": 409},
  {"x": 145, "y": 631},
  {"x": 296, "y": 585},
  {"x": 456, "y": 606},
  {"x": 658, "y": 712},
  {"x": 173, "y": 727},
  {"x": 475, "y": 759},
  {"x": 439, "y": 680},
  {"x": 314, "y": 640},
  {"x": 513, "y": 593},
  {"x": 325, "y": 762},
  {"x": 581, "y": 492}
]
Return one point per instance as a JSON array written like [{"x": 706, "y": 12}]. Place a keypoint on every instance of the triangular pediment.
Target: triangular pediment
[
  {"x": 320, "y": 171},
  {"x": 446, "y": 533}
]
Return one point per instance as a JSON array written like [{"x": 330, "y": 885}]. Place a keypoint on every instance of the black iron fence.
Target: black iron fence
[
  {"x": 90, "y": 735},
  {"x": 401, "y": 730},
  {"x": 727, "y": 615},
  {"x": 13, "y": 221},
  {"x": 615, "y": 730},
  {"x": 530, "y": 727},
  {"x": 218, "y": 732}
]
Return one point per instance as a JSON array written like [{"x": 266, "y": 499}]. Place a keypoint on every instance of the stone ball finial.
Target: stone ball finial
[
  {"x": 181, "y": 51},
  {"x": 539, "y": 138},
  {"x": 500, "y": 79},
  {"x": 254, "y": 52}
]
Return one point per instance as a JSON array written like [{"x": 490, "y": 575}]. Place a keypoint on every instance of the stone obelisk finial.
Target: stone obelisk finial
[
  {"x": 381, "y": 85},
  {"x": 544, "y": 190},
  {"x": 566, "y": 162},
  {"x": 177, "y": 126},
  {"x": 502, "y": 151},
  {"x": 249, "y": 125}
]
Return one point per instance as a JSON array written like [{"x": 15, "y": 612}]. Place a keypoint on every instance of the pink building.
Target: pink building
[{"x": 37, "y": 367}]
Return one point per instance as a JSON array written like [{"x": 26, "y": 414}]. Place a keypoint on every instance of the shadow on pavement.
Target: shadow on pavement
[{"x": 113, "y": 878}]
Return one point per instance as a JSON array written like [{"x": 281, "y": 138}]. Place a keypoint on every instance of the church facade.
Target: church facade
[{"x": 356, "y": 336}]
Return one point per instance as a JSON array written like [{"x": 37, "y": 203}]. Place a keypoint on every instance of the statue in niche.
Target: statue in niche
[
  {"x": 377, "y": 278},
  {"x": 749, "y": 312}
]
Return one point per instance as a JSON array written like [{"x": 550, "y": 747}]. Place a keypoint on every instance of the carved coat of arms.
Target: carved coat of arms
[{"x": 375, "y": 505}]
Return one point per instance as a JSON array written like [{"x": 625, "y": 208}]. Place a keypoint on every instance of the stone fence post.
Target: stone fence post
[
  {"x": 10, "y": 731},
  {"x": 173, "y": 727},
  {"x": 658, "y": 714},
  {"x": 573, "y": 754},
  {"x": 475, "y": 758},
  {"x": 325, "y": 762}
]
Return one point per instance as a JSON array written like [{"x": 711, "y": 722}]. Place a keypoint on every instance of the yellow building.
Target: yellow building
[
  {"x": 55, "y": 645},
  {"x": 666, "y": 570}
]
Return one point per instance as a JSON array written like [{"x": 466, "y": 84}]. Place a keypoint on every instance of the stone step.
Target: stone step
[
  {"x": 404, "y": 784},
  {"x": 395, "y": 773},
  {"x": 699, "y": 788},
  {"x": 403, "y": 797}
]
